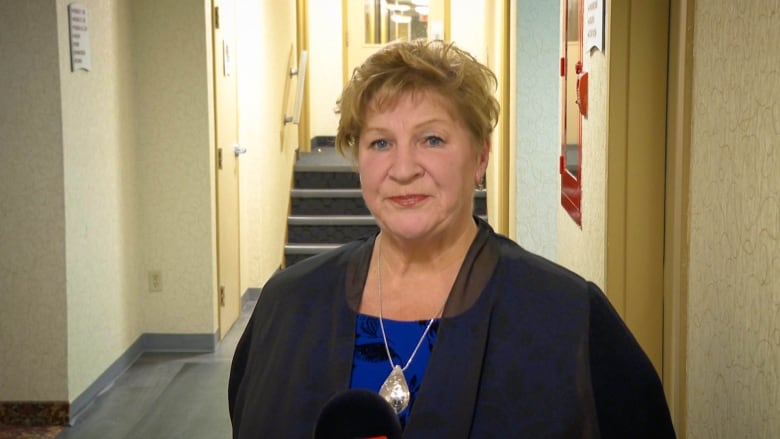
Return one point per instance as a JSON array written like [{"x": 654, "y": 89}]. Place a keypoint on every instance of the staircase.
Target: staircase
[{"x": 327, "y": 207}]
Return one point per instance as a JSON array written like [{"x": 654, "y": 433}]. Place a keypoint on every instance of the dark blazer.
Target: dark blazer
[{"x": 525, "y": 349}]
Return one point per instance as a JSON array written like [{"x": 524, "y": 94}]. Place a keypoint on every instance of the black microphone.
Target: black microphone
[{"x": 357, "y": 414}]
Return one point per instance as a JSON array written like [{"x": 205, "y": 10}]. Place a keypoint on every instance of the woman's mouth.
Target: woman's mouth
[{"x": 408, "y": 200}]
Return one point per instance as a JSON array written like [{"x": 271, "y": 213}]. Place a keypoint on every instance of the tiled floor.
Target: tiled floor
[{"x": 166, "y": 396}]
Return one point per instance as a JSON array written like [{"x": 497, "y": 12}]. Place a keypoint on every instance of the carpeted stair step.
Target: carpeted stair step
[
  {"x": 328, "y": 229},
  {"x": 327, "y": 202}
]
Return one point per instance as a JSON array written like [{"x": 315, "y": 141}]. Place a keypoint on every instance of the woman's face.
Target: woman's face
[{"x": 418, "y": 168}]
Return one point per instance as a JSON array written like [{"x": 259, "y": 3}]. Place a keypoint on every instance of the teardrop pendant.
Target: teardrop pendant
[{"x": 395, "y": 390}]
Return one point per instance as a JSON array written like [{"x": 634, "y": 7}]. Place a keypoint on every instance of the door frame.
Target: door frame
[
  {"x": 228, "y": 290},
  {"x": 636, "y": 160},
  {"x": 676, "y": 255},
  {"x": 647, "y": 235},
  {"x": 302, "y": 43},
  {"x": 501, "y": 181}
]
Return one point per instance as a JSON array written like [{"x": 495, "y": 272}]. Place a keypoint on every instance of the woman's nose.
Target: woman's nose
[{"x": 406, "y": 166}]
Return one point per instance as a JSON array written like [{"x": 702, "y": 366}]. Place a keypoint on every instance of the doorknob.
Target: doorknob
[{"x": 238, "y": 150}]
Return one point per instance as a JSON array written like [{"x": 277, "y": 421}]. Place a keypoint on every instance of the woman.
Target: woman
[{"x": 463, "y": 332}]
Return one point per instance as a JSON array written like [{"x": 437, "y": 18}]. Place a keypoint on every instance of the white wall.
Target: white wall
[
  {"x": 138, "y": 180},
  {"x": 175, "y": 167},
  {"x": 467, "y": 25},
  {"x": 266, "y": 38},
  {"x": 109, "y": 173},
  {"x": 101, "y": 202},
  {"x": 105, "y": 174},
  {"x": 734, "y": 274},
  {"x": 33, "y": 331},
  {"x": 325, "y": 66}
]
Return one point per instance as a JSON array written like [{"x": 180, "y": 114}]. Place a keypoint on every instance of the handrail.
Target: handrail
[{"x": 301, "y": 73}]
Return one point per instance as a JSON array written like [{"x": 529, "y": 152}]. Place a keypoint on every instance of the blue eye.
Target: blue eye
[
  {"x": 434, "y": 140},
  {"x": 379, "y": 144}
]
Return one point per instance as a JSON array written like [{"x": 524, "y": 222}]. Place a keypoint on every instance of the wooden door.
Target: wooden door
[{"x": 227, "y": 154}]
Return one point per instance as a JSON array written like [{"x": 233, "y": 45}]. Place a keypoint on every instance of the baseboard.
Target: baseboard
[
  {"x": 179, "y": 343},
  {"x": 114, "y": 371}
]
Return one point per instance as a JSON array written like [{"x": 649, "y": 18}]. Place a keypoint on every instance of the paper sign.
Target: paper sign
[
  {"x": 80, "y": 56},
  {"x": 227, "y": 62},
  {"x": 594, "y": 25}
]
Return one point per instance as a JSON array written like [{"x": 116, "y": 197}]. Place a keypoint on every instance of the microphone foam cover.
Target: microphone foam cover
[{"x": 357, "y": 413}]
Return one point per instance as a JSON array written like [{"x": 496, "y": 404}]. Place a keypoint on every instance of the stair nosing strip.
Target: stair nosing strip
[
  {"x": 308, "y": 248},
  {"x": 327, "y": 220},
  {"x": 326, "y": 193},
  {"x": 324, "y": 168}
]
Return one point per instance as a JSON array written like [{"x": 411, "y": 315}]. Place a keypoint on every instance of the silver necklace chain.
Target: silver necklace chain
[{"x": 382, "y": 326}]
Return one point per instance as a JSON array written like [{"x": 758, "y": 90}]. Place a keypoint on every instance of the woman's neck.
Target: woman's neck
[
  {"x": 415, "y": 281},
  {"x": 429, "y": 255}
]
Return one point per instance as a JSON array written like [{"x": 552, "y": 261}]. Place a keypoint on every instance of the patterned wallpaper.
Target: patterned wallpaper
[
  {"x": 100, "y": 207},
  {"x": 138, "y": 179},
  {"x": 32, "y": 213},
  {"x": 734, "y": 292},
  {"x": 538, "y": 126}
]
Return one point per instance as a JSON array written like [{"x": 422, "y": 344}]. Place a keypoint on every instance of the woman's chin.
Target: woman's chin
[
  {"x": 409, "y": 229},
  {"x": 415, "y": 229}
]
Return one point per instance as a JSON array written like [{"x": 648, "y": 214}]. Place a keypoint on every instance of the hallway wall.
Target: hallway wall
[
  {"x": 33, "y": 326},
  {"x": 101, "y": 233},
  {"x": 734, "y": 273},
  {"x": 325, "y": 56},
  {"x": 137, "y": 143},
  {"x": 105, "y": 174},
  {"x": 583, "y": 249},
  {"x": 175, "y": 160},
  {"x": 266, "y": 38},
  {"x": 538, "y": 126}
]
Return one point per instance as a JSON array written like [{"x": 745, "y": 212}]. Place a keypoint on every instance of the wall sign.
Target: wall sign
[
  {"x": 80, "y": 56},
  {"x": 227, "y": 60},
  {"x": 594, "y": 25}
]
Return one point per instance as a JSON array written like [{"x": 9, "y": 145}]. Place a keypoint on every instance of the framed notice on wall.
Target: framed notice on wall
[
  {"x": 593, "y": 26},
  {"x": 80, "y": 56}
]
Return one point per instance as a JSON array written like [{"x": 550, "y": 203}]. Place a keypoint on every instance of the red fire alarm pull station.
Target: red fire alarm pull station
[{"x": 582, "y": 89}]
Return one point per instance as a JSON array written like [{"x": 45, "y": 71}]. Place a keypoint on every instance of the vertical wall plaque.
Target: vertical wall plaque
[
  {"x": 80, "y": 56},
  {"x": 594, "y": 25}
]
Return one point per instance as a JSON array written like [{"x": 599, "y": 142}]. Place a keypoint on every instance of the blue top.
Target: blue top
[{"x": 370, "y": 367}]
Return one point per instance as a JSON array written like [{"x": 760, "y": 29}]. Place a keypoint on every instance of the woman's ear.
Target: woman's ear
[{"x": 482, "y": 163}]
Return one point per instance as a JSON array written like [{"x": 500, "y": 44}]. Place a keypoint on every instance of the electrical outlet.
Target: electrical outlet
[{"x": 155, "y": 281}]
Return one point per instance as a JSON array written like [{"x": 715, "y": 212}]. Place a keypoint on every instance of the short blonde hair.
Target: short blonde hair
[{"x": 419, "y": 66}]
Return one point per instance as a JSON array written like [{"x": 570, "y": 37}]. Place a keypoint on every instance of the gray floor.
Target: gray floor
[{"x": 166, "y": 396}]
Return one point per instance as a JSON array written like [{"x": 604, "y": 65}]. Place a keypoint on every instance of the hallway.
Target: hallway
[{"x": 166, "y": 396}]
